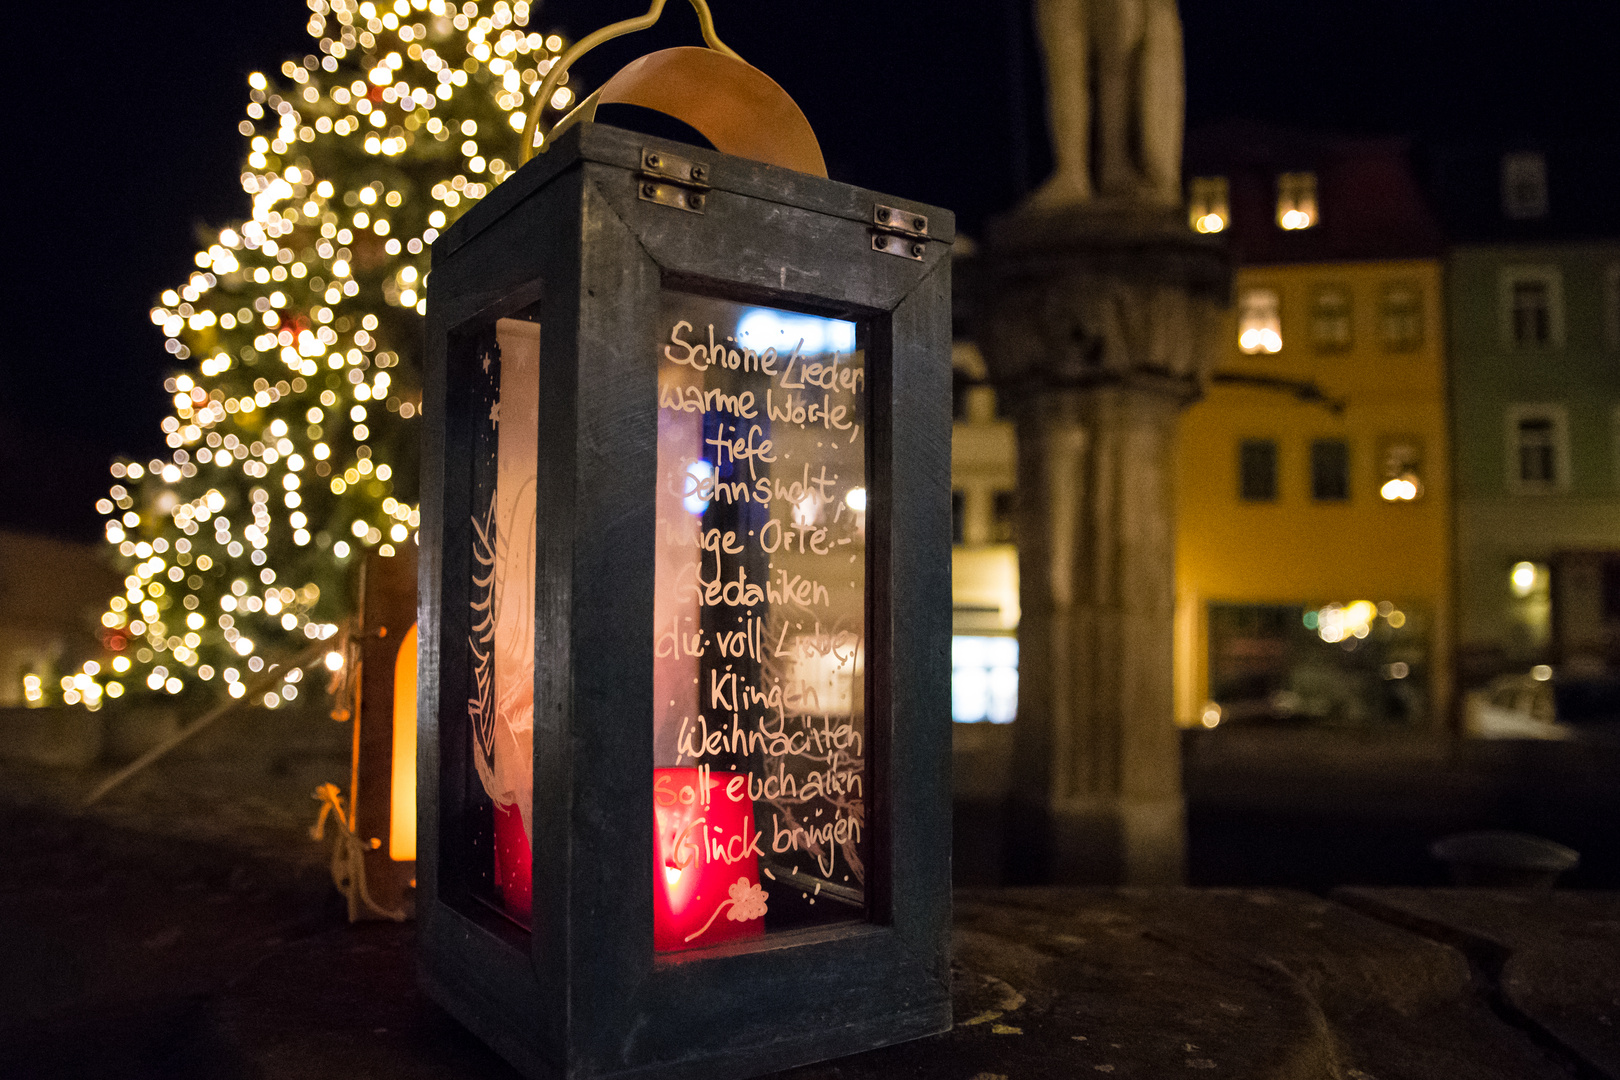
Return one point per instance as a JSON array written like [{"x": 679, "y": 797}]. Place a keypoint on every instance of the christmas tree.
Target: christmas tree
[{"x": 293, "y": 447}]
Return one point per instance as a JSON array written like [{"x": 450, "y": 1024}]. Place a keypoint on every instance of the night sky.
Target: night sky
[{"x": 121, "y": 133}]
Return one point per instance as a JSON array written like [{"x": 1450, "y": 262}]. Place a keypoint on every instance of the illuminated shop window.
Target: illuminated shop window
[
  {"x": 1330, "y": 319},
  {"x": 1524, "y": 186},
  {"x": 984, "y": 679},
  {"x": 1530, "y": 607},
  {"x": 1208, "y": 205},
  {"x": 1296, "y": 200},
  {"x": 1400, "y": 317},
  {"x": 1330, "y": 470},
  {"x": 1401, "y": 469},
  {"x": 1355, "y": 663},
  {"x": 1259, "y": 321}
]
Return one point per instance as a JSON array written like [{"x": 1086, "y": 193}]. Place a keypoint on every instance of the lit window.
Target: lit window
[
  {"x": 1330, "y": 470},
  {"x": 1537, "y": 448},
  {"x": 1527, "y": 578},
  {"x": 1257, "y": 470},
  {"x": 1524, "y": 186},
  {"x": 1330, "y": 319},
  {"x": 1401, "y": 469},
  {"x": 1296, "y": 200},
  {"x": 1400, "y": 317},
  {"x": 1532, "y": 306},
  {"x": 1208, "y": 207},
  {"x": 1259, "y": 321},
  {"x": 984, "y": 679}
]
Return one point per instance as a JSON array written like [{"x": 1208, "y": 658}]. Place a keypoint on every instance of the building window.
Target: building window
[
  {"x": 984, "y": 679},
  {"x": 1330, "y": 470},
  {"x": 1532, "y": 313},
  {"x": 1296, "y": 200},
  {"x": 1330, "y": 319},
  {"x": 1257, "y": 470},
  {"x": 1400, "y": 461},
  {"x": 1611, "y": 307},
  {"x": 1524, "y": 186},
  {"x": 1003, "y": 506},
  {"x": 958, "y": 516},
  {"x": 1208, "y": 206},
  {"x": 1400, "y": 317},
  {"x": 1532, "y": 301},
  {"x": 1259, "y": 321},
  {"x": 1538, "y": 448},
  {"x": 1538, "y": 452}
]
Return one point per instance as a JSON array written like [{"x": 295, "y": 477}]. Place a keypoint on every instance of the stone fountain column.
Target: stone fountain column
[{"x": 1096, "y": 310}]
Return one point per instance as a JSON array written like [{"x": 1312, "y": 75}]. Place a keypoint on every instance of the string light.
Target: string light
[{"x": 301, "y": 323}]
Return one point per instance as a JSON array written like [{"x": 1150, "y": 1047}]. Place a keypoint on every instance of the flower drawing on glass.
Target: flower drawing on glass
[{"x": 747, "y": 902}]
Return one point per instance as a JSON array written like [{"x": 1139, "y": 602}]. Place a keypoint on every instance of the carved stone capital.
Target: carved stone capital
[{"x": 1099, "y": 295}]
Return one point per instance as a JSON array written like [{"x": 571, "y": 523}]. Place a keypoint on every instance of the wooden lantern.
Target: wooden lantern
[{"x": 685, "y": 615}]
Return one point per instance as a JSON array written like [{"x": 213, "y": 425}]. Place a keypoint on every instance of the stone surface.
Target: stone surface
[
  {"x": 1551, "y": 959},
  {"x": 187, "y": 930},
  {"x": 1066, "y": 983}
]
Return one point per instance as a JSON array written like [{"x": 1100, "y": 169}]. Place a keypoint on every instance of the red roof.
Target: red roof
[{"x": 1369, "y": 203}]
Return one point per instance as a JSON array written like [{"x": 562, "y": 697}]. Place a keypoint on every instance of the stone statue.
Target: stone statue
[{"x": 1115, "y": 101}]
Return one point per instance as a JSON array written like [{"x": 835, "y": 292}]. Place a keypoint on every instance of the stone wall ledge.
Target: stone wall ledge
[{"x": 142, "y": 954}]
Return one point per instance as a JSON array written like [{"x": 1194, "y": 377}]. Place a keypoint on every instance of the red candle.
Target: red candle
[
  {"x": 706, "y": 886},
  {"x": 514, "y": 862}
]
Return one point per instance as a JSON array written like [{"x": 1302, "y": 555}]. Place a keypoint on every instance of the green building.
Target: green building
[{"x": 1533, "y": 300}]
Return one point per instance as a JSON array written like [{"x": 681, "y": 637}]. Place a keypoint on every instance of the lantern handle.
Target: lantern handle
[
  {"x": 559, "y": 68},
  {"x": 737, "y": 107}
]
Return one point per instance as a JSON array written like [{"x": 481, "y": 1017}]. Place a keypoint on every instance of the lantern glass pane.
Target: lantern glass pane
[
  {"x": 500, "y": 704},
  {"x": 760, "y": 779}
]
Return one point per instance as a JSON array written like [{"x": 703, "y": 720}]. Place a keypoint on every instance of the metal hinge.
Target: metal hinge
[
  {"x": 899, "y": 232},
  {"x": 672, "y": 181}
]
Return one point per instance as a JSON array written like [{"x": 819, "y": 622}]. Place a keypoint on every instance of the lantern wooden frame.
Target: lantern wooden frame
[{"x": 572, "y": 237}]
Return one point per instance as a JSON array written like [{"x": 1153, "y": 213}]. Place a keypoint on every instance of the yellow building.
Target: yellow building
[{"x": 1313, "y": 553}]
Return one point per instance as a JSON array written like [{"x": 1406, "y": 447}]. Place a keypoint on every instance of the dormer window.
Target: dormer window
[
  {"x": 1259, "y": 321},
  {"x": 1208, "y": 204},
  {"x": 1524, "y": 186},
  {"x": 1296, "y": 200}
]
